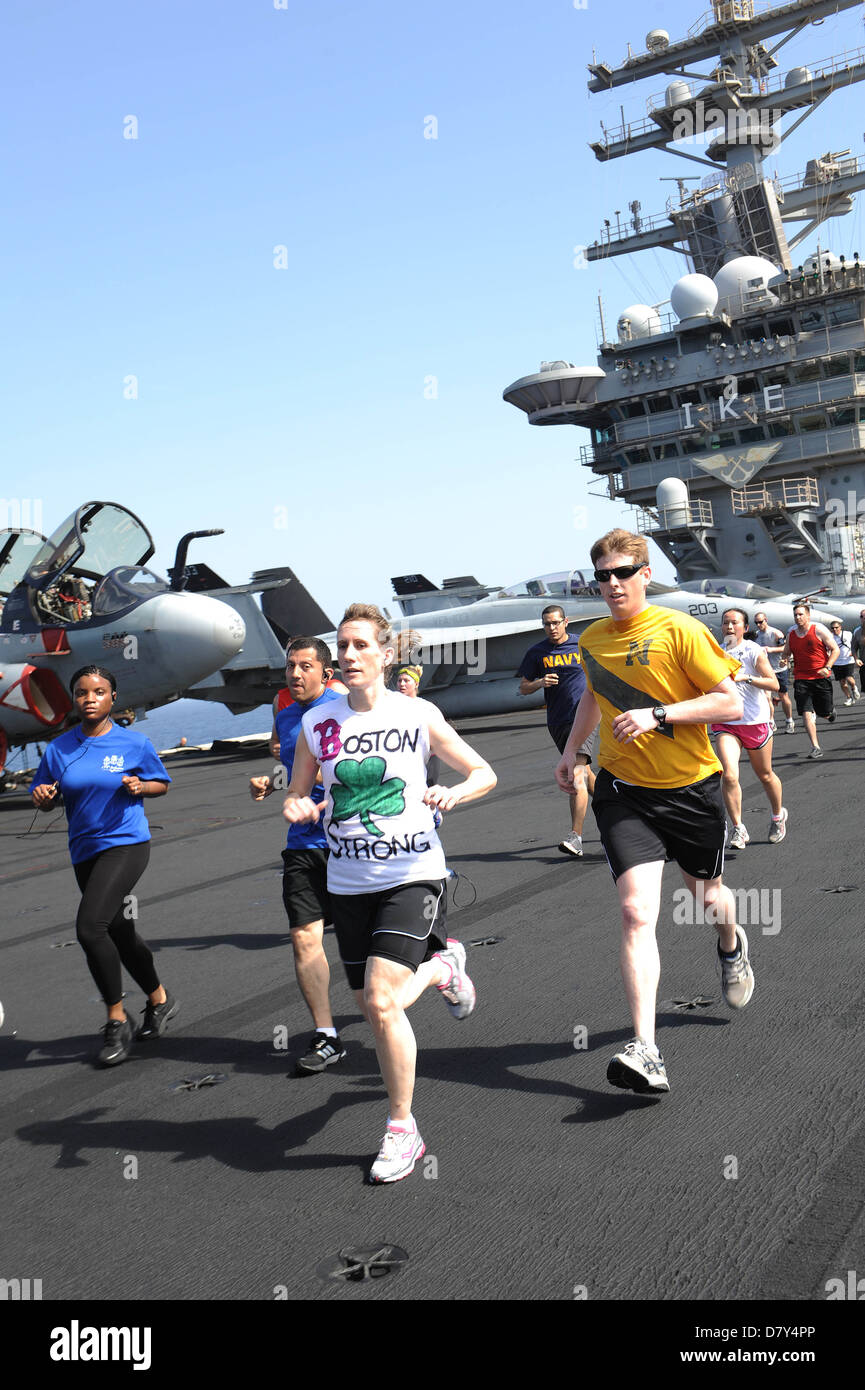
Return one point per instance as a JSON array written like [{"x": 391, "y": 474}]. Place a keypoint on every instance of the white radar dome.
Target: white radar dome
[
  {"x": 796, "y": 76},
  {"x": 693, "y": 295},
  {"x": 743, "y": 276},
  {"x": 676, "y": 94},
  {"x": 657, "y": 40},
  {"x": 673, "y": 501},
  {"x": 638, "y": 321}
]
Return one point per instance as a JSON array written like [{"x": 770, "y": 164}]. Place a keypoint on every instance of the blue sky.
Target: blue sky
[{"x": 294, "y": 406}]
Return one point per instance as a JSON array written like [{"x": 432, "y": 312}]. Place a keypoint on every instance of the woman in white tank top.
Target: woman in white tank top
[
  {"x": 386, "y": 867},
  {"x": 753, "y": 731}
]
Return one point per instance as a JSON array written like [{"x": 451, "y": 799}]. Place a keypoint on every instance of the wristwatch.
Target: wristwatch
[{"x": 660, "y": 715}]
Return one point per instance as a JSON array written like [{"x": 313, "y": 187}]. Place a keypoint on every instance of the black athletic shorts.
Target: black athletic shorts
[
  {"x": 782, "y": 685},
  {"x": 815, "y": 695},
  {"x": 304, "y": 886},
  {"x": 843, "y": 673},
  {"x": 406, "y": 924},
  {"x": 640, "y": 825},
  {"x": 559, "y": 734}
]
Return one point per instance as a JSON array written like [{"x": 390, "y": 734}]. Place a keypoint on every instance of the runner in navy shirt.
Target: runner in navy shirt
[
  {"x": 555, "y": 665},
  {"x": 102, "y": 772},
  {"x": 309, "y": 677}
]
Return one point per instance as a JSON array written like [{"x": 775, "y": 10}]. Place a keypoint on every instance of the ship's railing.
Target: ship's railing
[
  {"x": 689, "y": 515},
  {"x": 782, "y": 495},
  {"x": 825, "y": 67},
  {"x": 749, "y": 410},
  {"x": 735, "y": 9},
  {"x": 732, "y": 182},
  {"x": 608, "y": 486},
  {"x": 821, "y": 447}
]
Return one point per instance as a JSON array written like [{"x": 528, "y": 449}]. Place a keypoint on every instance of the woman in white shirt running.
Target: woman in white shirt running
[
  {"x": 386, "y": 867},
  {"x": 753, "y": 731}
]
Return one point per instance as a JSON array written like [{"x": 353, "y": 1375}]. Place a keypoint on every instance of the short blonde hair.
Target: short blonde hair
[{"x": 619, "y": 542}]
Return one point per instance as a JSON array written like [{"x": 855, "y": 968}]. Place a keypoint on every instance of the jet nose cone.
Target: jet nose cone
[{"x": 229, "y": 631}]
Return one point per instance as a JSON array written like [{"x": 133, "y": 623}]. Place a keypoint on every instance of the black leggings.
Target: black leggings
[{"x": 106, "y": 920}]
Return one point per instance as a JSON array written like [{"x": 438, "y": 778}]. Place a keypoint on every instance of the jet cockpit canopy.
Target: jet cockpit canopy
[
  {"x": 17, "y": 549},
  {"x": 559, "y": 584},
  {"x": 61, "y": 583},
  {"x": 731, "y": 588}
]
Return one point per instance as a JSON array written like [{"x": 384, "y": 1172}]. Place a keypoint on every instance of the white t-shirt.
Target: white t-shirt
[
  {"x": 373, "y": 766},
  {"x": 756, "y": 705}
]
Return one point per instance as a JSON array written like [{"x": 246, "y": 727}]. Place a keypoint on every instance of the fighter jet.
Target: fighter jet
[
  {"x": 470, "y": 638},
  {"x": 84, "y": 596}
]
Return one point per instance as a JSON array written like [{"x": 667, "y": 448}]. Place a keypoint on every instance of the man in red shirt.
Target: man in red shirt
[{"x": 814, "y": 652}]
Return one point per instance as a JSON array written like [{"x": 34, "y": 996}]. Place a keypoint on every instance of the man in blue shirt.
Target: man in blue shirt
[
  {"x": 555, "y": 665},
  {"x": 309, "y": 683}
]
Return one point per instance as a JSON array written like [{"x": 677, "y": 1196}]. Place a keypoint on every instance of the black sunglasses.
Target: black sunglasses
[{"x": 621, "y": 572}]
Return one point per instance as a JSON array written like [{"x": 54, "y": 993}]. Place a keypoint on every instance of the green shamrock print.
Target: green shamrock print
[{"x": 362, "y": 792}]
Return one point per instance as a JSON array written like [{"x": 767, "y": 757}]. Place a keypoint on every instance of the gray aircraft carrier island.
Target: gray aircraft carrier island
[{"x": 735, "y": 424}]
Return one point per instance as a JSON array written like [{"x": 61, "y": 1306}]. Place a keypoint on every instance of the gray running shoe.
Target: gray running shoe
[
  {"x": 572, "y": 844},
  {"x": 816, "y": 753},
  {"x": 739, "y": 838},
  {"x": 638, "y": 1067},
  {"x": 737, "y": 977},
  {"x": 778, "y": 828},
  {"x": 460, "y": 994}
]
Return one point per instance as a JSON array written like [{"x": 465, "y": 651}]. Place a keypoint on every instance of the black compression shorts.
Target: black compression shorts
[
  {"x": 406, "y": 924},
  {"x": 641, "y": 825}
]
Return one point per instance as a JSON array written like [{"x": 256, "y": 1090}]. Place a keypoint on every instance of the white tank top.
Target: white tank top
[
  {"x": 754, "y": 699},
  {"x": 373, "y": 766}
]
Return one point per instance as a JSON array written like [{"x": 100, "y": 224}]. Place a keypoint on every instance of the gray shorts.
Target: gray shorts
[{"x": 560, "y": 734}]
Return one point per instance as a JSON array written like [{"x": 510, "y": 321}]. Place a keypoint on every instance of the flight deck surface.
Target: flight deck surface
[{"x": 540, "y": 1182}]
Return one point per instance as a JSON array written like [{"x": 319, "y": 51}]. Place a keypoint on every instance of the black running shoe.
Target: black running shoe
[
  {"x": 118, "y": 1036},
  {"x": 830, "y": 718},
  {"x": 156, "y": 1017},
  {"x": 323, "y": 1052}
]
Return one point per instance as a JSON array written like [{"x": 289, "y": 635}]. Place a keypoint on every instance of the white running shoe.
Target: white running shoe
[
  {"x": 857, "y": 694},
  {"x": 459, "y": 993},
  {"x": 638, "y": 1067},
  {"x": 739, "y": 838},
  {"x": 778, "y": 828},
  {"x": 849, "y": 700},
  {"x": 399, "y": 1152},
  {"x": 572, "y": 844},
  {"x": 737, "y": 977},
  {"x": 791, "y": 726}
]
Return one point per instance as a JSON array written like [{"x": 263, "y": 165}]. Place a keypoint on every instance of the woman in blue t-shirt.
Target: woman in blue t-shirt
[{"x": 102, "y": 772}]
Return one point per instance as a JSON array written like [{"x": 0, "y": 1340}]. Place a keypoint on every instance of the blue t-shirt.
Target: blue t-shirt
[
  {"x": 564, "y": 658},
  {"x": 287, "y": 728},
  {"x": 101, "y": 812}
]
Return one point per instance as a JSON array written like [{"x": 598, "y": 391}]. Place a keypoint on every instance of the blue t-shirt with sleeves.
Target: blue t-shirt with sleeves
[
  {"x": 287, "y": 723},
  {"x": 564, "y": 659},
  {"x": 101, "y": 813}
]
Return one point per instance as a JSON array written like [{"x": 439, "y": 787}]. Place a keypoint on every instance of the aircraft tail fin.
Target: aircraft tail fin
[
  {"x": 404, "y": 585},
  {"x": 289, "y": 607}
]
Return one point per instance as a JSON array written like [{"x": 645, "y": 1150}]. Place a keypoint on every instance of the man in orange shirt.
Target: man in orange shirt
[{"x": 655, "y": 680}]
